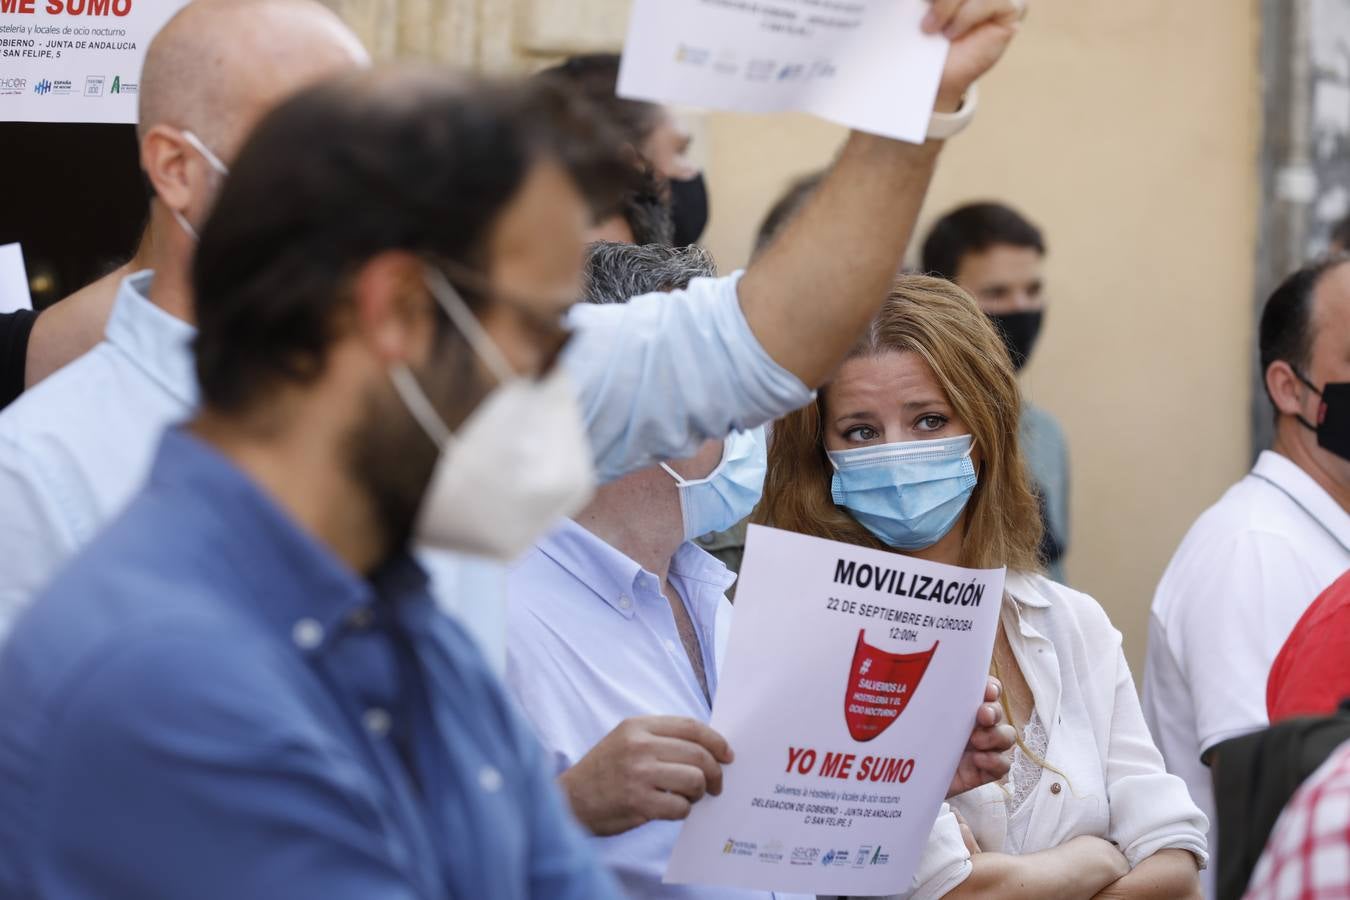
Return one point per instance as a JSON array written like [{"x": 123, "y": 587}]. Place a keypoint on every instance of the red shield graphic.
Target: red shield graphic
[{"x": 880, "y": 686}]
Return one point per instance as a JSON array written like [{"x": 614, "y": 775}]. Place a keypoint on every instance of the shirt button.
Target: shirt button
[
  {"x": 489, "y": 779},
  {"x": 307, "y": 634},
  {"x": 670, "y": 646},
  {"x": 362, "y": 619},
  {"x": 1055, "y": 788},
  {"x": 625, "y": 602},
  {"x": 377, "y": 721}
]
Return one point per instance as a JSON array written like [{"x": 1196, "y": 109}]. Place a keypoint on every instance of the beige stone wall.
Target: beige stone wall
[
  {"x": 1129, "y": 131},
  {"x": 493, "y": 36}
]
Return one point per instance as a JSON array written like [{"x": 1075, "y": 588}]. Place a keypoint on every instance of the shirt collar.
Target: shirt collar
[
  {"x": 299, "y": 586},
  {"x": 693, "y": 563},
  {"x": 1285, "y": 474},
  {"x": 156, "y": 342},
  {"x": 1023, "y": 591},
  {"x": 610, "y": 574}
]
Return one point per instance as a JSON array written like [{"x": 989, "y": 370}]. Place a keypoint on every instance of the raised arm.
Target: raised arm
[
  {"x": 813, "y": 291},
  {"x": 661, "y": 374}
]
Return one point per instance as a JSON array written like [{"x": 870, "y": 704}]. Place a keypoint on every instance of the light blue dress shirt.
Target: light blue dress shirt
[
  {"x": 656, "y": 377},
  {"x": 207, "y": 703},
  {"x": 77, "y": 446},
  {"x": 592, "y": 642}
]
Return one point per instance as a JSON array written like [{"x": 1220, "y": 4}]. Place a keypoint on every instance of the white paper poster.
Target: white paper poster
[
  {"x": 861, "y": 63},
  {"x": 13, "y": 280},
  {"x": 75, "y": 60},
  {"x": 850, "y": 689}
]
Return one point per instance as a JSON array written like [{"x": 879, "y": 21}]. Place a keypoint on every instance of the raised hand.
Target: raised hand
[{"x": 980, "y": 30}]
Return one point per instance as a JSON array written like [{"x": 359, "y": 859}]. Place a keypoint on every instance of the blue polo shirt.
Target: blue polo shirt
[{"x": 208, "y": 703}]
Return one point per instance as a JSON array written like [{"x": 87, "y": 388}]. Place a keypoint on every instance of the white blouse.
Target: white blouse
[{"x": 1113, "y": 784}]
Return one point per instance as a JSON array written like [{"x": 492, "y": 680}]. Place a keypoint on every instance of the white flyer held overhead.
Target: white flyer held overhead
[
  {"x": 861, "y": 63},
  {"x": 850, "y": 688},
  {"x": 75, "y": 60}
]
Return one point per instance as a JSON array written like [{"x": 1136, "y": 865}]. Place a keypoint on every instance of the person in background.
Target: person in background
[
  {"x": 1253, "y": 562},
  {"x": 75, "y": 447},
  {"x": 1311, "y": 673},
  {"x": 654, "y": 135},
  {"x": 913, "y": 447},
  {"x": 248, "y": 645},
  {"x": 998, "y": 257}
]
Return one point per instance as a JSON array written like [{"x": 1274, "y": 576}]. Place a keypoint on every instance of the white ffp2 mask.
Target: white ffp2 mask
[{"x": 520, "y": 462}]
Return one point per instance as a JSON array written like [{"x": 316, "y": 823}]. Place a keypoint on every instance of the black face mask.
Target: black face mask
[
  {"x": 1019, "y": 331},
  {"x": 689, "y": 208},
  {"x": 1333, "y": 418}
]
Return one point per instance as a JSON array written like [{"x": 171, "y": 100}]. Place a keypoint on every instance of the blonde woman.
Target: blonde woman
[{"x": 913, "y": 448}]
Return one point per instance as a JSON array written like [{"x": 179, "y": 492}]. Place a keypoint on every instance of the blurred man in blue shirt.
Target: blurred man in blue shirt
[{"x": 241, "y": 688}]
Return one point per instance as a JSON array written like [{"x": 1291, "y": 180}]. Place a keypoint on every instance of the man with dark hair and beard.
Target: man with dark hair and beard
[{"x": 242, "y": 687}]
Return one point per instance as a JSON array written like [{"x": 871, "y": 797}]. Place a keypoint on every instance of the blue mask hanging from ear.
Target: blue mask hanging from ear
[
  {"x": 731, "y": 491},
  {"x": 909, "y": 494}
]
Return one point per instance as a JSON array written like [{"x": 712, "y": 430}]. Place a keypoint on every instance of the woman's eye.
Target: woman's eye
[
  {"x": 862, "y": 433},
  {"x": 932, "y": 422}
]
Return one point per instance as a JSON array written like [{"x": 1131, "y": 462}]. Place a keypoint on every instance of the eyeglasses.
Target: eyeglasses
[{"x": 550, "y": 334}]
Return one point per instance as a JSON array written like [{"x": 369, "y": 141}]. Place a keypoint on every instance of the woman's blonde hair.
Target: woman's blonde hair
[{"x": 940, "y": 323}]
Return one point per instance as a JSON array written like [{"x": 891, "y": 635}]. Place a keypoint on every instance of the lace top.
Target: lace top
[{"x": 1022, "y": 781}]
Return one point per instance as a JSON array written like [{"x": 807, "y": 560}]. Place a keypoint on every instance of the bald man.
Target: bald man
[{"x": 75, "y": 447}]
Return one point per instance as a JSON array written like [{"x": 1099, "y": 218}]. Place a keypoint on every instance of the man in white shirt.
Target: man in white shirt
[
  {"x": 75, "y": 447},
  {"x": 618, "y": 624},
  {"x": 1253, "y": 562}
]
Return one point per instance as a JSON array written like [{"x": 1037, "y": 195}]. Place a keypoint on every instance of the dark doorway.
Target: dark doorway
[{"x": 74, "y": 197}]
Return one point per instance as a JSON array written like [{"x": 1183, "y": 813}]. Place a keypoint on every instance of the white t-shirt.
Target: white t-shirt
[{"x": 1246, "y": 571}]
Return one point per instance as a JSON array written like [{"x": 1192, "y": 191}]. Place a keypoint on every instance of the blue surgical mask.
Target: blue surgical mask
[
  {"x": 731, "y": 491},
  {"x": 909, "y": 494}
]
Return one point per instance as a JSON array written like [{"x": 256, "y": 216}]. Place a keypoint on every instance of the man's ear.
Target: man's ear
[
  {"x": 1286, "y": 389},
  {"x": 393, "y": 309},
  {"x": 164, "y": 157}
]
